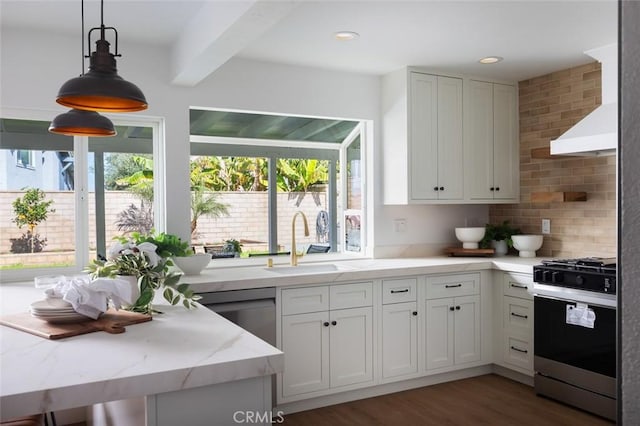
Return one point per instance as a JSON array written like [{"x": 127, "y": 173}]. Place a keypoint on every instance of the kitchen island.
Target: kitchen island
[{"x": 191, "y": 366}]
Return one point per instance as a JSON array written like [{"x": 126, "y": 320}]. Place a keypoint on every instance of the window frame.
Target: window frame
[
  {"x": 81, "y": 184},
  {"x": 30, "y": 165}
]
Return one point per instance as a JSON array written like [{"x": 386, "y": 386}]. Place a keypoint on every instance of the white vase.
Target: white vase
[
  {"x": 500, "y": 247},
  {"x": 133, "y": 284}
]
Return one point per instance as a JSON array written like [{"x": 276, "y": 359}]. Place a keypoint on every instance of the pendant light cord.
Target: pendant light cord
[{"x": 82, "y": 35}]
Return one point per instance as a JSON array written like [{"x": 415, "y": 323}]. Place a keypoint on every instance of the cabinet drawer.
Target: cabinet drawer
[
  {"x": 518, "y": 314},
  {"x": 304, "y": 300},
  {"x": 453, "y": 285},
  {"x": 351, "y": 295},
  {"x": 518, "y": 352},
  {"x": 518, "y": 285},
  {"x": 397, "y": 291}
]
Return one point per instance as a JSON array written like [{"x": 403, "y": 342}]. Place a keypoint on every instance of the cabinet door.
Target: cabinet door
[
  {"x": 423, "y": 136},
  {"x": 399, "y": 339},
  {"x": 351, "y": 344},
  {"x": 467, "y": 329},
  {"x": 305, "y": 342},
  {"x": 479, "y": 143},
  {"x": 439, "y": 318},
  {"x": 506, "y": 176},
  {"x": 450, "y": 159}
]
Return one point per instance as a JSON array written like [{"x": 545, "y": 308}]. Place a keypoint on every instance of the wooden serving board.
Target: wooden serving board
[
  {"x": 459, "y": 251},
  {"x": 112, "y": 321}
]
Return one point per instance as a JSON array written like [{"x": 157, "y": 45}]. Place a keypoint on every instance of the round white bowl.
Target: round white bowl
[
  {"x": 470, "y": 237},
  {"x": 194, "y": 264},
  {"x": 527, "y": 244}
]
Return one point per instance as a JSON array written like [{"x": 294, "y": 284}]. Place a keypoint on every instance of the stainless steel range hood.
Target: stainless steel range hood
[{"x": 597, "y": 133}]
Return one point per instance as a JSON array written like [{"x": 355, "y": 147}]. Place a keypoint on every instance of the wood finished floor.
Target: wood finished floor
[{"x": 484, "y": 400}]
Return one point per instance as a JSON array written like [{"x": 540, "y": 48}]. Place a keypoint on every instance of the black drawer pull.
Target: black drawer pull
[
  {"x": 404, "y": 290},
  {"x": 524, "y": 351},
  {"x": 326, "y": 324},
  {"x": 457, "y": 308},
  {"x": 519, "y": 315},
  {"x": 435, "y": 188},
  {"x": 523, "y": 287},
  {"x": 451, "y": 308},
  {"x": 452, "y": 285},
  {"x": 491, "y": 189},
  {"x": 334, "y": 322},
  {"x": 414, "y": 313},
  {"x": 497, "y": 188},
  {"x": 442, "y": 188}
]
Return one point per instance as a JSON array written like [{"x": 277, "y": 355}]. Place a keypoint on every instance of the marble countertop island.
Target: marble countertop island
[{"x": 179, "y": 349}]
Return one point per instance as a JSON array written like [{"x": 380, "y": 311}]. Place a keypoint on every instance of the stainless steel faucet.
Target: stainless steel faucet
[{"x": 294, "y": 254}]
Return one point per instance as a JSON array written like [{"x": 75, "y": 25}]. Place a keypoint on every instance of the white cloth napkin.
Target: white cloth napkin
[
  {"x": 581, "y": 315},
  {"x": 90, "y": 298}
]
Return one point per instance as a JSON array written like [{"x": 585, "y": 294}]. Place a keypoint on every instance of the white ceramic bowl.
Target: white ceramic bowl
[
  {"x": 527, "y": 244},
  {"x": 470, "y": 237},
  {"x": 194, "y": 264}
]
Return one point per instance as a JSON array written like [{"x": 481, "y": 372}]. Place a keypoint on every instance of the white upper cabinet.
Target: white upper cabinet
[
  {"x": 491, "y": 143},
  {"x": 422, "y": 131},
  {"x": 448, "y": 139}
]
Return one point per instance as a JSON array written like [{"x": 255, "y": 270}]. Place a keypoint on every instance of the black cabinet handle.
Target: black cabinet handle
[
  {"x": 404, "y": 290},
  {"x": 326, "y": 324},
  {"x": 442, "y": 188},
  {"x": 452, "y": 285},
  {"x": 457, "y": 308},
  {"x": 435, "y": 188},
  {"x": 523, "y": 287},
  {"x": 491, "y": 189},
  {"x": 334, "y": 322},
  {"x": 415, "y": 313},
  {"x": 497, "y": 188},
  {"x": 451, "y": 308},
  {"x": 524, "y": 351},
  {"x": 519, "y": 316}
]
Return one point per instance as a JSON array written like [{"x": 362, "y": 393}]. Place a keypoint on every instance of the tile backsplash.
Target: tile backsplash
[{"x": 550, "y": 105}]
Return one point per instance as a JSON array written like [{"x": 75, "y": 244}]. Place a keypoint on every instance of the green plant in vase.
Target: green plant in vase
[
  {"x": 499, "y": 237},
  {"x": 147, "y": 258}
]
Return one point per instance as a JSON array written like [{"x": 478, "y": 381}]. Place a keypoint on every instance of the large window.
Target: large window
[
  {"x": 263, "y": 169},
  {"x": 65, "y": 206}
]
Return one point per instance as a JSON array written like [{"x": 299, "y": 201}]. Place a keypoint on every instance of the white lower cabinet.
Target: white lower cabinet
[
  {"x": 514, "y": 322},
  {"x": 399, "y": 327},
  {"x": 452, "y": 324},
  {"x": 330, "y": 348}
]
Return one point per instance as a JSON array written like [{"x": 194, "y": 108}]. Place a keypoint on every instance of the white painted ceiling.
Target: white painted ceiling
[{"x": 534, "y": 37}]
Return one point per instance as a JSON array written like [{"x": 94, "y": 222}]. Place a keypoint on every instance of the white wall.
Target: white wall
[{"x": 34, "y": 65}]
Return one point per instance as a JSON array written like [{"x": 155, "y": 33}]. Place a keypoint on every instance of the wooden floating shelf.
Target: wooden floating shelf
[
  {"x": 557, "y": 197},
  {"x": 459, "y": 251},
  {"x": 545, "y": 154}
]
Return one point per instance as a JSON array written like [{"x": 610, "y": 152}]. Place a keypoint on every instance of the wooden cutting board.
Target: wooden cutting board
[
  {"x": 112, "y": 321},
  {"x": 459, "y": 251}
]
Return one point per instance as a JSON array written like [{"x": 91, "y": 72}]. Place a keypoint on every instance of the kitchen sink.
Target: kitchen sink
[{"x": 310, "y": 269}]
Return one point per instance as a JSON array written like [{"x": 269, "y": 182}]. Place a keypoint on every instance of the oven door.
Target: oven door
[{"x": 592, "y": 349}]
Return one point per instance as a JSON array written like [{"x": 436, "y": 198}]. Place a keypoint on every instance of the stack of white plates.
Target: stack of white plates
[{"x": 56, "y": 311}]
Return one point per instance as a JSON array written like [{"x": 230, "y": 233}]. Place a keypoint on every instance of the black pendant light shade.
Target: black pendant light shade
[
  {"x": 82, "y": 123},
  {"x": 101, "y": 88}
]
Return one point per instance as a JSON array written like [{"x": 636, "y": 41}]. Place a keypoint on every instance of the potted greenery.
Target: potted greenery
[
  {"x": 499, "y": 237},
  {"x": 147, "y": 259},
  {"x": 232, "y": 246}
]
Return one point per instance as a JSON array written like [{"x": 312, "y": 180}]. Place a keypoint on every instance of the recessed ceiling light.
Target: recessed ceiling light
[
  {"x": 491, "y": 59},
  {"x": 346, "y": 35}
]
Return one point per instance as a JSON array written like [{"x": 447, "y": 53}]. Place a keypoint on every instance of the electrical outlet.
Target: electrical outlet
[
  {"x": 546, "y": 226},
  {"x": 400, "y": 225}
]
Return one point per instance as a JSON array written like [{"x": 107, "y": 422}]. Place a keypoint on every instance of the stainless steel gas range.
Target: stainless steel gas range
[{"x": 575, "y": 333}]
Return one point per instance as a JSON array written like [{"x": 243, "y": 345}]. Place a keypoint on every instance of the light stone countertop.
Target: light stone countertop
[
  {"x": 229, "y": 278},
  {"x": 179, "y": 349}
]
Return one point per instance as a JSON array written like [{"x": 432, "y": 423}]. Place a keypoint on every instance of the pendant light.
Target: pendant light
[
  {"x": 101, "y": 88},
  {"x": 78, "y": 122}
]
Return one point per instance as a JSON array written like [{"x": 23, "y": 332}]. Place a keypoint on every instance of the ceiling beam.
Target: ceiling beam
[
  {"x": 312, "y": 128},
  {"x": 218, "y": 32}
]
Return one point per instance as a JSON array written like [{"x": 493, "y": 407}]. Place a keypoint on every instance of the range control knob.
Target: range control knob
[
  {"x": 546, "y": 276},
  {"x": 537, "y": 275},
  {"x": 580, "y": 280},
  {"x": 557, "y": 277}
]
